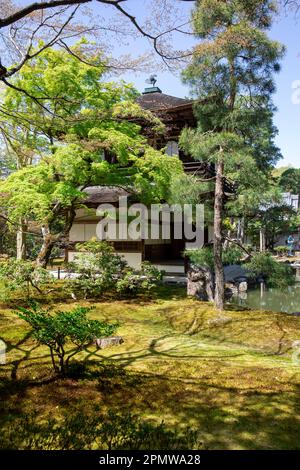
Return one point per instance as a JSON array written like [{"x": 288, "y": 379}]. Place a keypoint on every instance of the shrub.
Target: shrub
[
  {"x": 56, "y": 329},
  {"x": 133, "y": 282},
  {"x": 281, "y": 250},
  {"x": 275, "y": 274},
  {"x": 204, "y": 256},
  {"x": 97, "y": 267},
  {"x": 232, "y": 255},
  {"x": 201, "y": 257},
  {"x": 19, "y": 274}
]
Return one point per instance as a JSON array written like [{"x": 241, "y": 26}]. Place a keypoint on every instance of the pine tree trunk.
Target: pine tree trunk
[
  {"x": 218, "y": 241},
  {"x": 21, "y": 241}
]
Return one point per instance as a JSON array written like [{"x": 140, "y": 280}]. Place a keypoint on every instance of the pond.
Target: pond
[{"x": 260, "y": 298}]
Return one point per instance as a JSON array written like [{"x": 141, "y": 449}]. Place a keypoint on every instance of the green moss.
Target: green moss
[{"x": 234, "y": 381}]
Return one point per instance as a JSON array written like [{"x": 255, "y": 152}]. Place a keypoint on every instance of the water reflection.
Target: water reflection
[{"x": 287, "y": 300}]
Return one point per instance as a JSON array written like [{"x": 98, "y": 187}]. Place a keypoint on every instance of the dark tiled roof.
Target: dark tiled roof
[
  {"x": 158, "y": 101},
  {"x": 104, "y": 194}
]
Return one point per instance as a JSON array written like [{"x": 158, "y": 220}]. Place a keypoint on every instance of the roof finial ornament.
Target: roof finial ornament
[{"x": 152, "y": 79}]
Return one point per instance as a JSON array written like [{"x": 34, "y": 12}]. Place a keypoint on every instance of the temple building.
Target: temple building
[{"x": 165, "y": 253}]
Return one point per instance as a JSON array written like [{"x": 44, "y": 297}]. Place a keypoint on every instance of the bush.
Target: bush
[
  {"x": 281, "y": 250},
  {"x": 232, "y": 255},
  {"x": 19, "y": 274},
  {"x": 205, "y": 257},
  {"x": 56, "y": 329},
  {"x": 133, "y": 282},
  {"x": 102, "y": 432},
  {"x": 201, "y": 257},
  {"x": 275, "y": 274},
  {"x": 98, "y": 268}
]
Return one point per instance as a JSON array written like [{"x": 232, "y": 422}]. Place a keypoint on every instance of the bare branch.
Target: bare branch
[
  {"x": 34, "y": 7},
  {"x": 237, "y": 243},
  {"x": 20, "y": 14},
  {"x": 29, "y": 56}
]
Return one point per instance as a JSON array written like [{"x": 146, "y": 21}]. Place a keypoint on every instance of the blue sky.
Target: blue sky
[
  {"x": 287, "y": 119},
  {"x": 285, "y": 29}
]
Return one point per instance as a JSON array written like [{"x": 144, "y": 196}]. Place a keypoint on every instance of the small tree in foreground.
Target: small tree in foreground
[{"x": 59, "y": 328}]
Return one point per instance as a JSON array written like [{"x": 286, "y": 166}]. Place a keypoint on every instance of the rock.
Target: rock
[
  {"x": 239, "y": 279},
  {"x": 235, "y": 288},
  {"x": 243, "y": 295},
  {"x": 243, "y": 286},
  {"x": 231, "y": 287},
  {"x": 200, "y": 283},
  {"x": 296, "y": 344},
  {"x": 235, "y": 272},
  {"x": 102, "y": 343},
  {"x": 230, "y": 292}
]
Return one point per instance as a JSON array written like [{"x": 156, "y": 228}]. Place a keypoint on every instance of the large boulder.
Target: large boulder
[{"x": 200, "y": 283}]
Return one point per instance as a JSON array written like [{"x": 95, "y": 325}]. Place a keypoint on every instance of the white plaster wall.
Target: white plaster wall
[
  {"x": 133, "y": 259},
  {"x": 170, "y": 268},
  {"x": 71, "y": 256},
  {"x": 82, "y": 232},
  {"x": 77, "y": 233},
  {"x": 89, "y": 231}
]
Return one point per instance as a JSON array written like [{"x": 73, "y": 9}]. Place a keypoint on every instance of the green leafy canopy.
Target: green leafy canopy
[{"x": 75, "y": 120}]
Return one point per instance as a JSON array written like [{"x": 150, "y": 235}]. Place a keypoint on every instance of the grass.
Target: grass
[{"x": 235, "y": 382}]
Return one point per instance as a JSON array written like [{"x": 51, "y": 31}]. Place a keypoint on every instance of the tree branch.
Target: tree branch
[
  {"x": 18, "y": 225},
  {"x": 235, "y": 242},
  {"x": 20, "y": 14},
  {"x": 33, "y": 7}
]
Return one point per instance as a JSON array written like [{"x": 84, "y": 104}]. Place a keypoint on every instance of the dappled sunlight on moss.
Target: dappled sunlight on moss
[{"x": 235, "y": 381}]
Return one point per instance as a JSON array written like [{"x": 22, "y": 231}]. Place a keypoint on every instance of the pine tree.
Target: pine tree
[{"x": 231, "y": 75}]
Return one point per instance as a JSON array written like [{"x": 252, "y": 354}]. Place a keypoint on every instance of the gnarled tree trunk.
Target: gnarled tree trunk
[
  {"x": 46, "y": 248},
  {"x": 50, "y": 240}
]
